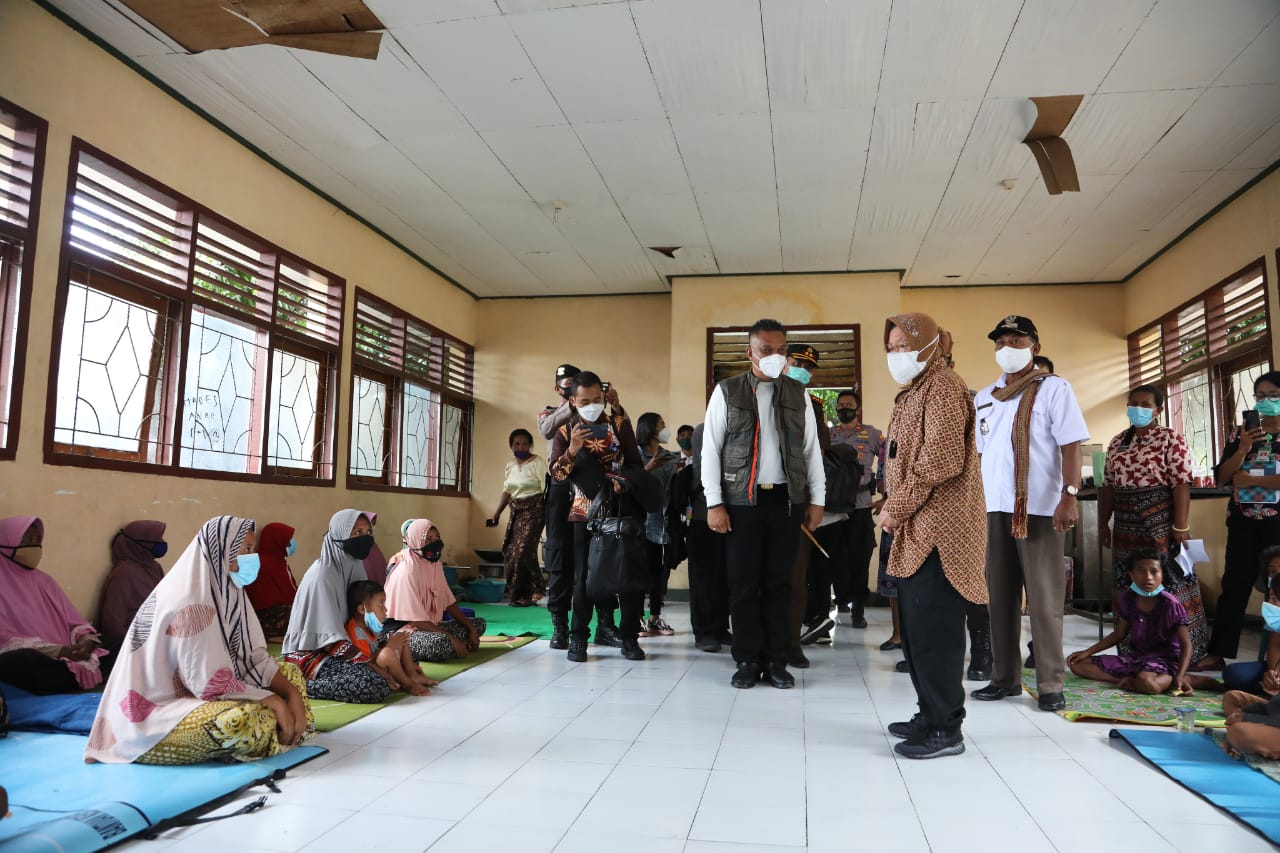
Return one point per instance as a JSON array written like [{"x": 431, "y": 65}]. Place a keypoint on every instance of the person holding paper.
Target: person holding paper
[
  {"x": 1253, "y": 515},
  {"x": 1146, "y": 503}
]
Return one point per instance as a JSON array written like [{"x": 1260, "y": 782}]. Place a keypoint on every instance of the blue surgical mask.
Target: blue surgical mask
[
  {"x": 1271, "y": 616},
  {"x": 1140, "y": 416},
  {"x": 372, "y": 622},
  {"x": 1142, "y": 592},
  {"x": 247, "y": 566},
  {"x": 799, "y": 374},
  {"x": 292, "y": 549}
]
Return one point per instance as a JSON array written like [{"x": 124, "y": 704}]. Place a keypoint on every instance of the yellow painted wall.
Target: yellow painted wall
[{"x": 80, "y": 90}]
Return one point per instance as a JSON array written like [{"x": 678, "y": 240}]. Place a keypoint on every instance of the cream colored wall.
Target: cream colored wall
[
  {"x": 80, "y": 90},
  {"x": 625, "y": 339}
]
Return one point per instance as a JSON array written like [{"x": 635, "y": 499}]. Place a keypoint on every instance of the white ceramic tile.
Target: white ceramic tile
[
  {"x": 276, "y": 827},
  {"x": 476, "y": 837},
  {"x": 590, "y": 750},
  {"x": 449, "y": 801},
  {"x": 515, "y": 806},
  {"x": 389, "y": 833}
]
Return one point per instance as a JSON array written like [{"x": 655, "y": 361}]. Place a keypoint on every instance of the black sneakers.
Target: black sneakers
[
  {"x": 816, "y": 629},
  {"x": 915, "y": 727},
  {"x": 931, "y": 743}
]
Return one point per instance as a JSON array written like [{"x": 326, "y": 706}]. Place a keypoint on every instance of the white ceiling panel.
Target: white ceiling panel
[
  {"x": 1111, "y": 133},
  {"x": 636, "y": 156},
  {"x": 392, "y": 94},
  {"x": 944, "y": 52},
  {"x": 549, "y": 162},
  {"x": 521, "y": 227},
  {"x": 821, "y": 150},
  {"x": 976, "y": 208},
  {"x": 561, "y": 269},
  {"x": 1185, "y": 44},
  {"x": 386, "y": 175},
  {"x": 626, "y": 271},
  {"x": 405, "y": 13},
  {"x": 1260, "y": 61},
  {"x": 816, "y": 227},
  {"x": 707, "y": 55},
  {"x": 690, "y": 260},
  {"x": 1261, "y": 154},
  {"x": 464, "y": 166},
  {"x": 727, "y": 153},
  {"x": 520, "y": 7},
  {"x": 594, "y": 226},
  {"x": 824, "y": 55},
  {"x": 1065, "y": 48},
  {"x": 994, "y": 149},
  {"x": 892, "y": 220},
  {"x": 484, "y": 71},
  {"x": 120, "y": 26},
  {"x": 1220, "y": 125},
  {"x": 619, "y": 87},
  {"x": 664, "y": 220},
  {"x": 743, "y": 228},
  {"x": 919, "y": 142},
  {"x": 1142, "y": 201}
]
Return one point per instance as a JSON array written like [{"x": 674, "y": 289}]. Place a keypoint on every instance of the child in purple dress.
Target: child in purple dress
[{"x": 1159, "y": 647}]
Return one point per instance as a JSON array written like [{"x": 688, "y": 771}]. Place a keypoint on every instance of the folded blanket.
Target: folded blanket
[{"x": 68, "y": 713}]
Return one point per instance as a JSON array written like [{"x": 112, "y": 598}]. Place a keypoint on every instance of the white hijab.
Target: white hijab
[
  {"x": 319, "y": 615},
  {"x": 195, "y": 639}
]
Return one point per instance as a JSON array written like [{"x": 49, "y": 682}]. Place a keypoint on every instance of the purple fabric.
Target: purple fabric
[
  {"x": 133, "y": 575},
  {"x": 1153, "y": 636}
]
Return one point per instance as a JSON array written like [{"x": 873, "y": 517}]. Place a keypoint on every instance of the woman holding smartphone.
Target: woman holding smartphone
[{"x": 1253, "y": 515}]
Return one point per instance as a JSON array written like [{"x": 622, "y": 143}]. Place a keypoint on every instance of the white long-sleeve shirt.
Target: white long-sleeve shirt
[{"x": 769, "y": 468}]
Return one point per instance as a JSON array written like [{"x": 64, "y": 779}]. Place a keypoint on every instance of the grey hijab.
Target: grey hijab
[{"x": 319, "y": 614}]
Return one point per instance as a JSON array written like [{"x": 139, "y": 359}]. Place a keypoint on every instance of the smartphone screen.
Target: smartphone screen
[
  {"x": 599, "y": 430},
  {"x": 1251, "y": 418}
]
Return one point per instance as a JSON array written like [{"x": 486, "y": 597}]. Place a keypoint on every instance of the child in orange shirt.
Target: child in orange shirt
[{"x": 390, "y": 657}]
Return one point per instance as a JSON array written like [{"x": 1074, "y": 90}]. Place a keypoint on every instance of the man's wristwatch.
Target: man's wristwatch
[{"x": 1071, "y": 490}]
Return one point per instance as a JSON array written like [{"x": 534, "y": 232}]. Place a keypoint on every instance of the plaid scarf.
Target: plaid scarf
[{"x": 1030, "y": 384}]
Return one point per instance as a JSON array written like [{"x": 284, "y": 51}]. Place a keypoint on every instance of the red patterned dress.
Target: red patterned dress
[{"x": 1143, "y": 466}]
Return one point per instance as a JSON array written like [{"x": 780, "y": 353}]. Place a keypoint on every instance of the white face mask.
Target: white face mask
[
  {"x": 906, "y": 366},
  {"x": 591, "y": 412},
  {"x": 1012, "y": 359},
  {"x": 664, "y": 436},
  {"x": 773, "y": 365}
]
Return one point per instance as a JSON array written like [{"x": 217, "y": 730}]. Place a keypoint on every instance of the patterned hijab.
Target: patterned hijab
[
  {"x": 418, "y": 591},
  {"x": 921, "y": 330},
  {"x": 319, "y": 616},
  {"x": 195, "y": 640},
  {"x": 34, "y": 611}
]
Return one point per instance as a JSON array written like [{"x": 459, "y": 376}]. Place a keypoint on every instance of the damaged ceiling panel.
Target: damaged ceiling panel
[{"x": 342, "y": 27}]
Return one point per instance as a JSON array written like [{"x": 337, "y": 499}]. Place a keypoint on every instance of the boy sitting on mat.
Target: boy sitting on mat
[
  {"x": 389, "y": 655},
  {"x": 1151, "y": 630},
  {"x": 1253, "y": 722}
]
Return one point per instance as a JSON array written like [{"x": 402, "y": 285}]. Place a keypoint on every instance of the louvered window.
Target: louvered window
[
  {"x": 411, "y": 404},
  {"x": 22, "y": 139},
  {"x": 839, "y": 362},
  {"x": 1205, "y": 355},
  {"x": 186, "y": 342}
]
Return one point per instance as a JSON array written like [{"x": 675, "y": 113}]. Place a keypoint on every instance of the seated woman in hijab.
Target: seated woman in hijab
[
  {"x": 134, "y": 573},
  {"x": 46, "y": 646},
  {"x": 273, "y": 592},
  {"x": 195, "y": 681},
  {"x": 375, "y": 565},
  {"x": 317, "y": 637},
  {"x": 418, "y": 595},
  {"x": 398, "y": 556}
]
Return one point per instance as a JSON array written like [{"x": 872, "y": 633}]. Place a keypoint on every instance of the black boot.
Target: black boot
[
  {"x": 1030, "y": 662},
  {"x": 858, "y": 617},
  {"x": 606, "y": 631},
  {"x": 631, "y": 650},
  {"x": 578, "y": 650},
  {"x": 559, "y": 631},
  {"x": 979, "y": 655}
]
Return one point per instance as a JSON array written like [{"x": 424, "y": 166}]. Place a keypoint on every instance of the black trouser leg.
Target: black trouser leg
[
  {"x": 760, "y": 550},
  {"x": 861, "y": 541},
  {"x": 932, "y": 615},
  {"x": 708, "y": 583},
  {"x": 1246, "y": 537},
  {"x": 559, "y": 576},
  {"x": 36, "y": 672},
  {"x": 658, "y": 587},
  {"x": 575, "y": 560},
  {"x": 977, "y": 617},
  {"x": 631, "y": 605},
  {"x": 798, "y": 599}
]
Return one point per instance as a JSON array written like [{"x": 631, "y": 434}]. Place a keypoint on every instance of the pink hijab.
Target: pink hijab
[
  {"x": 34, "y": 611},
  {"x": 417, "y": 590}
]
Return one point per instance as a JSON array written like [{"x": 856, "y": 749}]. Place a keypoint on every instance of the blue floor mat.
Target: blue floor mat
[
  {"x": 1196, "y": 762},
  {"x": 59, "y": 803}
]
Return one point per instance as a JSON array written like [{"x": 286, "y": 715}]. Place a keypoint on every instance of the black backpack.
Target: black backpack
[{"x": 844, "y": 478}]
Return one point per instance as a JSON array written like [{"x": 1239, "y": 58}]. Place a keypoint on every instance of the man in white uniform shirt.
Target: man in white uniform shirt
[
  {"x": 1030, "y": 428},
  {"x": 763, "y": 477}
]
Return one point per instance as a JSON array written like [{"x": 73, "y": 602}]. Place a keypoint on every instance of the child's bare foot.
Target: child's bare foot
[
  {"x": 1127, "y": 684},
  {"x": 1208, "y": 663},
  {"x": 1204, "y": 682},
  {"x": 416, "y": 689},
  {"x": 428, "y": 682}
]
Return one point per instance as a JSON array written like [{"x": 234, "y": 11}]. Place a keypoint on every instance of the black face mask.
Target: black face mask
[
  {"x": 566, "y": 394},
  {"x": 433, "y": 550},
  {"x": 358, "y": 546},
  {"x": 847, "y": 416}
]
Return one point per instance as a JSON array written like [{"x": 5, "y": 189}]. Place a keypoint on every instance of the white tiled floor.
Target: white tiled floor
[{"x": 531, "y": 753}]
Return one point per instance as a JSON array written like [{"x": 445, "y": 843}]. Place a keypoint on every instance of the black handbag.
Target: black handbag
[{"x": 616, "y": 557}]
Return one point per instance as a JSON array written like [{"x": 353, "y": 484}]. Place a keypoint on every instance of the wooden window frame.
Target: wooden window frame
[
  {"x": 1219, "y": 360},
  {"x": 395, "y": 375},
  {"x": 21, "y": 274},
  {"x": 181, "y": 302},
  {"x": 796, "y": 332}
]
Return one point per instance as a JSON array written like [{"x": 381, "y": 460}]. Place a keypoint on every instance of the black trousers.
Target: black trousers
[
  {"x": 932, "y": 614},
  {"x": 36, "y": 672},
  {"x": 708, "y": 582},
  {"x": 661, "y": 577},
  {"x": 861, "y": 543},
  {"x": 761, "y": 549},
  {"x": 575, "y": 558},
  {"x": 1246, "y": 538},
  {"x": 559, "y": 582},
  {"x": 837, "y": 539}
]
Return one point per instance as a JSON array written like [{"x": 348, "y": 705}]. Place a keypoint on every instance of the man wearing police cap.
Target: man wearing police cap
[{"x": 1030, "y": 428}]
